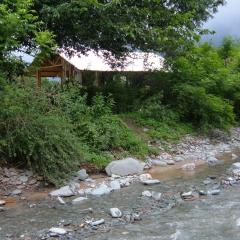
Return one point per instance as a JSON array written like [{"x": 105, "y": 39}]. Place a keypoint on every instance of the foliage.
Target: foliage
[
  {"x": 120, "y": 26},
  {"x": 97, "y": 126},
  {"x": 33, "y": 135},
  {"x": 21, "y": 30},
  {"x": 202, "y": 109}
]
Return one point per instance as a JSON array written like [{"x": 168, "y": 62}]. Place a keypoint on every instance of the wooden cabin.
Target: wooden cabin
[{"x": 72, "y": 67}]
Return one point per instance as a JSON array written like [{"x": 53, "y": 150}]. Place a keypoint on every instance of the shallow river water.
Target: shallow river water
[{"x": 208, "y": 218}]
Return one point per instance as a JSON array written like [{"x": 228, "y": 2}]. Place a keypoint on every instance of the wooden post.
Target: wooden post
[
  {"x": 96, "y": 82},
  {"x": 38, "y": 77}
]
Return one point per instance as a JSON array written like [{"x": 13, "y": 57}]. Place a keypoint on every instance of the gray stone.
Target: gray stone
[
  {"x": 61, "y": 200},
  {"x": 145, "y": 176},
  {"x": 160, "y": 163},
  {"x": 236, "y": 165},
  {"x": 212, "y": 161},
  {"x": 124, "y": 167},
  {"x": 62, "y": 192},
  {"x": 23, "y": 179},
  {"x": 151, "y": 182},
  {"x": 207, "y": 181},
  {"x": 125, "y": 182},
  {"x": 115, "y": 213},
  {"x": 101, "y": 190},
  {"x": 82, "y": 175},
  {"x": 33, "y": 181},
  {"x": 178, "y": 159},
  {"x": 238, "y": 222},
  {"x": 234, "y": 156},
  {"x": 214, "y": 192},
  {"x": 202, "y": 193},
  {"x": 146, "y": 194},
  {"x": 187, "y": 194},
  {"x": 115, "y": 185},
  {"x": 57, "y": 231},
  {"x": 98, "y": 222},
  {"x": 29, "y": 173},
  {"x": 78, "y": 200},
  {"x": 170, "y": 162},
  {"x": 156, "y": 196},
  {"x": 16, "y": 192}
]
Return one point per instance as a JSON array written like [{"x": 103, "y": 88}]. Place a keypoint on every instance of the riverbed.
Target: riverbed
[{"x": 209, "y": 217}]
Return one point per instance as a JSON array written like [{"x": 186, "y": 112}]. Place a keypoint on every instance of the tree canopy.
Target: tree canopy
[{"x": 166, "y": 26}]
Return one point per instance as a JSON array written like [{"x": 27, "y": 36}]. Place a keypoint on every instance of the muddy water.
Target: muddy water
[{"x": 212, "y": 218}]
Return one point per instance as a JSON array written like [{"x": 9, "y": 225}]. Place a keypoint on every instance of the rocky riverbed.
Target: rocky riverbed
[{"x": 173, "y": 202}]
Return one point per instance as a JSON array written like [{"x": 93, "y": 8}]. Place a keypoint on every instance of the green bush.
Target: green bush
[
  {"x": 97, "y": 126},
  {"x": 33, "y": 135},
  {"x": 202, "y": 109}
]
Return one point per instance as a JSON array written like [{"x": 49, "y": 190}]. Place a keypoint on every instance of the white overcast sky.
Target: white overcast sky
[{"x": 225, "y": 22}]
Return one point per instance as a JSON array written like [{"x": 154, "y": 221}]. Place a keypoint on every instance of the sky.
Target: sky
[{"x": 225, "y": 22}]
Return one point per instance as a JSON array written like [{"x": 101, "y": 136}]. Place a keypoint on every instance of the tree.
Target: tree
[
  {"x": 20, "y": 30},
  {"x": 121, "y": 25},
  {"x": 226, "y": 50}
]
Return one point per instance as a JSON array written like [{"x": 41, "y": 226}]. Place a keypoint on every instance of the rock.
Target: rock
[
  {"x": 160, "y": 163},
  {"x": 234, "y": 156},
  {"x": 202, "y": 193},
  {"x": 156, "y": 196},
  {"x": 178, "y": 159},
  {"x": 187, "y": 194},
  {"x": 115, "y": 185},
  {"x": 125, "y": 182},
  {"x": 2, "y": 209},
  {"x": 115, "y": 213},
  {"x": 124, "y": 167},
  {"x": 23, "y": 179},
  {"x": 146, "y": 194},
  {"x": 207, "y": 181},
  {"x": 96, "y": 223},
  {"x": 238, "y": 222},
  {"x": 236, "y": 165},
  {"x": 151, "y": 182},
  {"x": 16, "y": 192},
  {"x": 189, "y": 167},
  {"x": 170, "y": 162},
  {"x": 144, "y": 177},
  {"x": 214, "y": 192},
  {"x": 101, "y": 190},
  {"x": 57, "y": 231},
  {"x": 33, "y": 181},
  {"x": 61, "y": 200},
  {"x": 29, "y": 173},
  {"x": 136, "y": 217},
  {"x": 2, "y": 202},
  {"x": 219, "y": 135},
  {"x": 114, "y": 176},
  {"x": 79, "y": 200},
  {"x": 82, "y": 175},
  {"x": 212, "y": 161},
  {"x": 62, "y": 192}
]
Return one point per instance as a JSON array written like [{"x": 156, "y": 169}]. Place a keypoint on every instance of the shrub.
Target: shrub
[
  {"x": 33, "y": 135},
  {"x": 204, "y": 110},
  {"x": 97, "y": 126}
]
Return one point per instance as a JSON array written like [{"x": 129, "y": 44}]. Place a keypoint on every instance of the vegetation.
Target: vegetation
[{"x": 120, "y": 26}]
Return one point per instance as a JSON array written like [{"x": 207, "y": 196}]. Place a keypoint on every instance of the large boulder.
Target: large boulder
[
  {"x": 124, "y": 167},
  {"x": 62, "y": 192}
]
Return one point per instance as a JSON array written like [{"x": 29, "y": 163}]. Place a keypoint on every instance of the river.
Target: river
[{"x": 211, "y": 217}]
